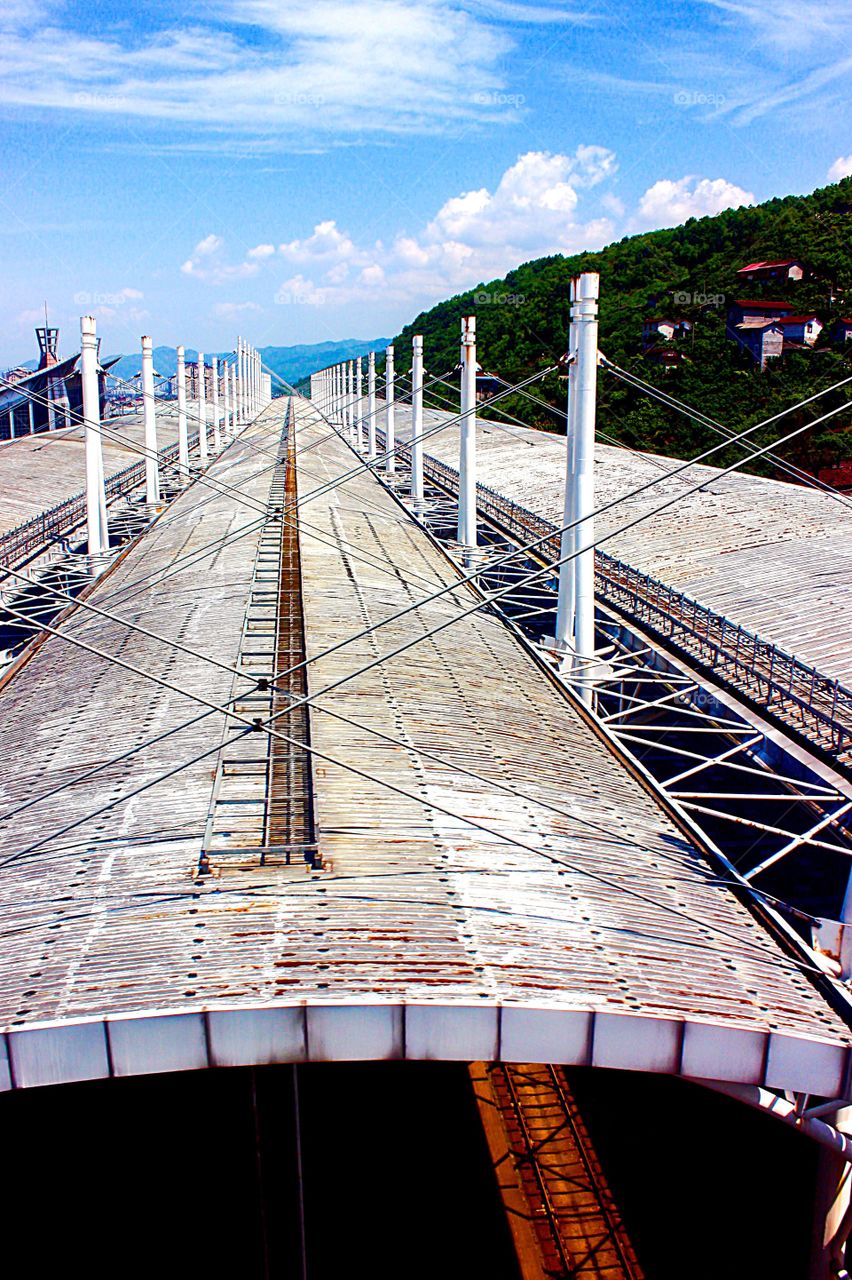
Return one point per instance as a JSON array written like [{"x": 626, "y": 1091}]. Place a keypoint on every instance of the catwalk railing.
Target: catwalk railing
[
  {"x": 26, "y": 539},
  {"x": 805, "y": 699}
]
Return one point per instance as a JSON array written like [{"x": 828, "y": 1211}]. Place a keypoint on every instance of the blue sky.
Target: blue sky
[{"x": 308, "y": 170}]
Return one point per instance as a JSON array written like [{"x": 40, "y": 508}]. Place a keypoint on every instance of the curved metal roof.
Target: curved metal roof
[{"x": 519, "y": 895}]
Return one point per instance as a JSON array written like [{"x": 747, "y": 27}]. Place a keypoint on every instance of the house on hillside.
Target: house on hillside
[
  {"x": 762, "y": 338},
  {"x": 746, "y": 309},
  {"x": 487, "y": 384},
  {"x": 787, "y": 269},
  {"x": 661, "y": 328},
  {"x": 839, "y": 477},
  {"x": 841, "y": 331},
  {"x": 803, "y": 329},
  {"x": 668, "y": 357}
]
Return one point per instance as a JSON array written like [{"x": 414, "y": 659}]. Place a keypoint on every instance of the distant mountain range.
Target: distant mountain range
[{"x": 290, "y": 363}]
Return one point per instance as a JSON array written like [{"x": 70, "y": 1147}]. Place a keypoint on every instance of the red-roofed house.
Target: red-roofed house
[
  {"x": 744, "y": 309},
  {"x": 788, "y": 269},
  {"x": 841, "y": 331},
  {"x": 668, "y": 357},
  {"x": 804, "y": 329}
]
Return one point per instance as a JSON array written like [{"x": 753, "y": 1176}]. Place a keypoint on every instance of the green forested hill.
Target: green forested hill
[{"x": 648, "y": 275}]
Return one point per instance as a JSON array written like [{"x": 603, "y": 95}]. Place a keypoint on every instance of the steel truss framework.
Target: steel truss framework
[{"x": 62, "y": 563}]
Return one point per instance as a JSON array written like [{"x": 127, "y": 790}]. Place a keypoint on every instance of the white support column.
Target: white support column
[
  {"x": 98, "y": 536},
  {"x": 183, "y": 435},
  {"x": 467, "y": 435},
  {"x": 102, "y": 490},
  {"x": 584, "y": 314},
  {"x": 149, "y": 417},
  {"x": 226, "y": 400},
  {"x": 371, "y": 406},
  {"x": 568, "y": 540},
  {"x": 359, "y": 407},
  {"x": 246, "y": 384},
  {"x": 32, "y": 421},
  {"x": 241, "y": 383},
  {"x": 217, "y": 436},
  {"x": 344, "y": 399},
  {"x": 390, "y": 432},
  {"x": 202, "y": 412},
  {"x": 350, "y": 383},
  {"x": 417, "y": 418}
]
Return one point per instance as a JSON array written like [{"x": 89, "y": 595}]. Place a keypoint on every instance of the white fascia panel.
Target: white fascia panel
[
  {"x": 253, "y": 1037},
  {"x": 59, "y": 1054},
  {"x": 544, "y": 1035},
  {"x": 148, "y": 1046}
]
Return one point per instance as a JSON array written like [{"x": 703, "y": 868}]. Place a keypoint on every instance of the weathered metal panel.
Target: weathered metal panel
[
  {"x": 452, "y": 1033},
  {"x": 5, "y": 1066},
  {"x": 805, "y": 1065},
  {"x": 544, "y": 1035},
  {"x": 636, "y": 1043},
  {"x": 59, "y": 1054},
  {"x": 354, "y": 1033},
  {"x": 145, "y": 1046},
  {"x": 723, "y": 1053},
  {"x": 252, "y": 1037}
]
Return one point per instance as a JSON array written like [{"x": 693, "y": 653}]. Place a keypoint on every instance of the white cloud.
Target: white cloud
[
  {"x": 230, "y": 310},
  {"x": 842, "y": 168},
  {"x": 531, "y": 210},
  {"x": 299, "y": 291},
  {"x": 207, "y": 262},
  {"x": 210, "y": 244},
  {"x": 786, "y": 24},
  {"x": 261, "y": 251},
  {"x": 475, "y": 236},
  {"x": 613, "y": 205},
  {"x": 373, "y": 276},
  {"x": 307, "y": 69},
  {"x": 668, "y": 202},
  {"x": 326, "y": 244}
]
